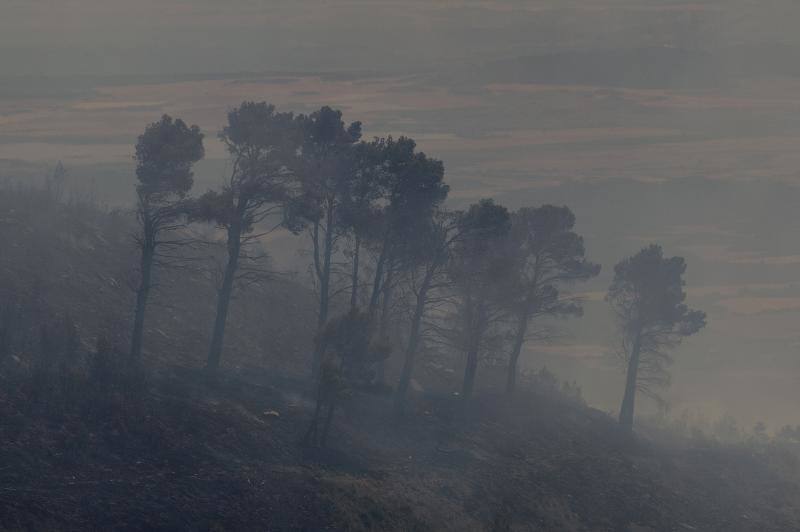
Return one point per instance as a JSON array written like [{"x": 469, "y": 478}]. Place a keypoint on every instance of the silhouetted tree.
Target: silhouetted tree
[
  {"x": 263, "y": 146},
  {"x": 411, "y": 188},
  {"x": 360, "y": 210},
  {"x": 647, "y": 296},
  {"x": 547, "y": 255},
  {"x": 477, "y": 266},
  {"x": 326, "y": 166},
  {"x": 165, "y": 154},
  {"x": 427, "y": 275}
]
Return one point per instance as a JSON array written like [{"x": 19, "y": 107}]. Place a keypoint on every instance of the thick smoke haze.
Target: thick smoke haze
[{"x": 655, "y": 121}]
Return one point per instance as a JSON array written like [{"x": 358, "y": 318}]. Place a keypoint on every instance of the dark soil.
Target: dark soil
[{"x": 189, "y": 455}]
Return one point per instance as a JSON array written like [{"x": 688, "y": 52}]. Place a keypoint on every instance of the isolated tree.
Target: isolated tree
[
  {"x": 548, "y": 255},
  {"x": 326, "y": 165},
  {"x": 263, "y": 145},
  {"x": 165, "y": 155},
  {"x": 477, "y": 268},
  {"x": 647, "y": 295}
]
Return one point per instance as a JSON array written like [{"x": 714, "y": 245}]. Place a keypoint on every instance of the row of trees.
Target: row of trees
[{"x": 392, "y": 267}]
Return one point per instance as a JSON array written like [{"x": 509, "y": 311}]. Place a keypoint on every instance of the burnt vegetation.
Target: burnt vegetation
[{"x": 156, "y": 373}]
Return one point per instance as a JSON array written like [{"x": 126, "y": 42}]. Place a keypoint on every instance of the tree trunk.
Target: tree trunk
[
  {"x": 224, "y": 298},
  {"x": 626, "y": 411},
  {"x": 387, "y": 302},
  {"x": 377, "y": 283},
  {"x": 354, "y": 276},
  {"x": 413, "y": 342},
  {"x": 519, "y": 341},
  {"x": 469, "y": 373},
  {"x": 325, "y": 281},
  {"x": 380, "y": 377},
  {"x": 142, "y": 294},
  {"x": 324, "y": 288}
]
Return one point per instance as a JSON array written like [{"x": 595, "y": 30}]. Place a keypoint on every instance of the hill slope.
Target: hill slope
[
  {"x": 193, "y": 457},
  {"x": 89, "y": 448}
]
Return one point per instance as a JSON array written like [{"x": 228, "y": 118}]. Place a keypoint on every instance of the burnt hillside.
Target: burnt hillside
[
  {"x": 188, "y": 457},
  {"x": 82, "y": 446}
]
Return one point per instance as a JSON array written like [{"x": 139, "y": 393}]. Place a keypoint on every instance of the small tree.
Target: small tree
[
  {"x": 165, "y": 154},
  {"x": 350, "y": 353},
  {"x": 263, "y": 145},
  {"x": 647, "y": 295},
  {"x": 548, "y": 255}
]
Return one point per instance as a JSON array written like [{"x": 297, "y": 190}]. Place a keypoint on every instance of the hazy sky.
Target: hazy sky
[
  {"x": 205, "y": 36},
  {"x": 665, "y": 121}
]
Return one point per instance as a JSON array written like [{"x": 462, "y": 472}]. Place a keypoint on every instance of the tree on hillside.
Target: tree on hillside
[
  {"x": 476, "y": 267},
  {"x": 326, "y": 165},
  {"x": 165, "y": 154},
  {"x": 411, "y": 188},
  {"x": 647, "y": 295},
  {"x": 427, "y": 275},
  {"x": 263, "y": 145},
  {"x": 548, "y": 255},
  {"x": 360, "y": 212},
  {"x": 349, "y": 353}
]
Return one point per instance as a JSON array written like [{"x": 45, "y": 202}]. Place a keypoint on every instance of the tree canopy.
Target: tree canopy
[{"x": 648, "y": 297}]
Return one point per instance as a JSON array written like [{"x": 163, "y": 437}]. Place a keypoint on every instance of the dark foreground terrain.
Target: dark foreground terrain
[
  {"x": 85, "y": 445},
  {"x": 191, "y": 456}
]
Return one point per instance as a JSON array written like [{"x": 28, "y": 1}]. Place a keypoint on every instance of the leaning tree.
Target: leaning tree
[
  {"x": 263, "y": 146},
  {"x": 647, "y": 295},
  {"x": 411, "y": 187},
  {"x": 426, "y": 263},
  {"x": 165, "y": 154}
]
